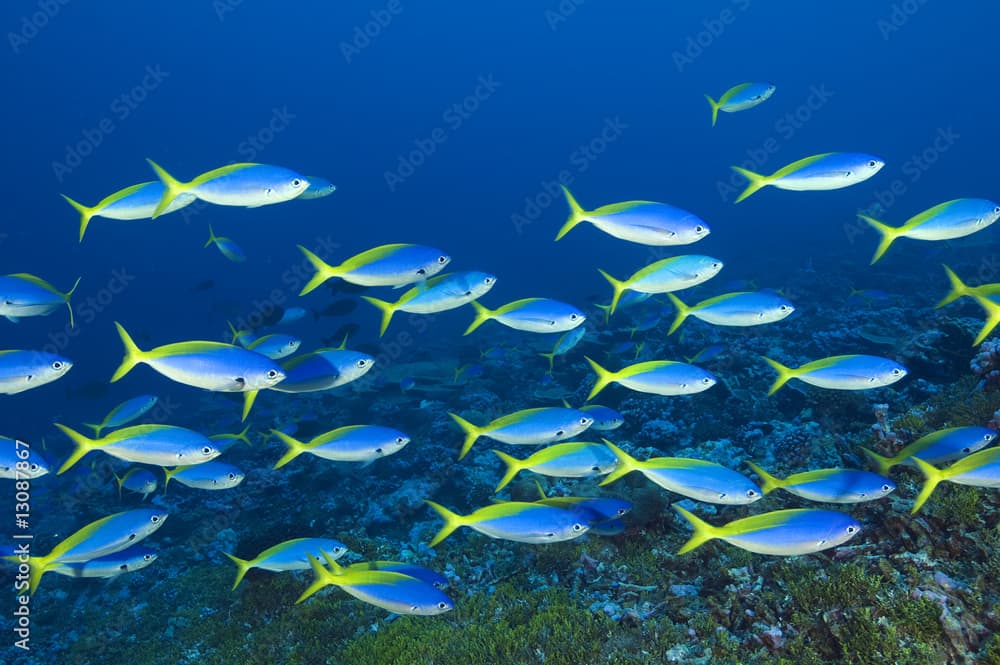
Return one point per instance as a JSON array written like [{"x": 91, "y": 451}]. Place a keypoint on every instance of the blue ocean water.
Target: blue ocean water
[{"x": 451, "y": 125}]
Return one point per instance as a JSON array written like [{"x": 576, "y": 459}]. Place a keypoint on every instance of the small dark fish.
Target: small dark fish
[
  {"x": 93, "y": 390},
  {"x": 336, "y": 308},
  {"x": 203, "y": 285},
  {"x": 340, "y": 286},
  {"x": 347, "y": 330}
]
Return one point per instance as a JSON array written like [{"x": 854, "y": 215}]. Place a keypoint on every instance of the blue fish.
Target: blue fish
[
  {"x": 134, "y": 202},
  {"x": 23, "y": 295},
  {"x": 227, "y": 246},
  {"x": 24, "y": 370}
]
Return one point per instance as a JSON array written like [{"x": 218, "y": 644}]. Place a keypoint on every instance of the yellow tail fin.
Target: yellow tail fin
[
  {"x": 83, "y": 446},
  {"x": 887, "y": 233},
  {"x": 715, "y": 109},
  {"x": 386, "y": 308},
  {"x": 295, "y": 448},
  {"x": 883, "y": 463},
  {"x": 172, "y": 188},
  {"x": 604, "y": 377},
  {"x": 472, "y": 432},
  {"x": 514, "y": 467},
  {"x": 324, "y": 271},
  {"x": 451, "y": 522},
  {"x": 703, "y": 531},
  {"x": 784, "y": 374},
  {"x": 133, "y": 354},
  {"x": 85, "y": 214},
  {"x": 933, "y": 476},
  {"x": 756, "y": 182},
  {"x": 576, "y": 215},
  {"x": 619, "y": 288},
  {"x": 769, "y": 483},
  {"x": 958, "y": 288},
  {"x": 482, "y": 316},
  {"x": 682, "y": 313},
  {"x": 242, "y": 567},
  {"x": 626, "y": 464}
]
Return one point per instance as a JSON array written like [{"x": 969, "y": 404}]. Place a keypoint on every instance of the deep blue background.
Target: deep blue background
[{"x": 352, "y": 121}]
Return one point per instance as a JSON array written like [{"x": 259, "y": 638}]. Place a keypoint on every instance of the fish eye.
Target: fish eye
[
  {"x": 573, "y": 317},
  {"x": 872, "y": 163},
  {"x": 361, "y": 364},
  {"x": 699, "y": 229},
  {"x": 57, "y": 364},
  {"x": 296, "y": 183},
  {"x": 490, "y": 280},
  {"x": 585, "y": 421},
  {"x": 442, "y": 259},
  {"x": 578, "y": 527},
  {"x": 996, "y": 211},
  {"x": 400, "y": 440},
  {"x": 717, "y": 265},
  {"x": 33, "y": 467},
  {"x": 896, "y": 371},
  {"x": 852, "y": 529},
  {"x": 206, "y": 450},
  {"x": 886, "y": 488},
  {"x": 442, "y": 605},
  {"x": 751, "y": 494},
  {"x": 147, "y": 557},
  {"x": 706, "y": 380},
  {"x": 272, "y": 373},
  {"x": 232, "y": 476},
  {"x": 154, "y": 519}
]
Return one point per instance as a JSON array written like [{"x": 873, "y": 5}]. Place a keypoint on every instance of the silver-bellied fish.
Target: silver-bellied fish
[
  {"x": 659, "y": 377},
  {"x": 740, "y": 97},
  {"x": 209, "y": 365},
  {"x": 318, "y": 188},
  {"x": 323, "y": 369},
  {"x": 852, "y": 372},
  {"x": 438, "y": 294},
  {"x": 980, "y": 469},
  {"x": 605, "y": 418},
  {"x": 566, "y": 343},
  {"x": 211, "y": 475},
  {"x": 159, "y": 445},
  {"x": 288, "y": 555},
  {"x": 275, "y": 346},
  {"x": 23, "y": 295},
  {"x": 574, "y": 459},
  {"x": 124, "y": 413},
  {"x": 138, "y": 480},
  {"x": 128, "y": 560},
  {"x": 781, "y": 532},
  {"x": 830, "y": 170},
  {"x": 938, "y": 447},
  {"x": 539, "y": 315},
  {"x": 642, "y": 222},
  {"x": 245, "y": 185},
  {"x": 520, "y": 521},
  {"x": 673, "y": 274},
  {"x": 596, "y": 510},
  {"x": 694, "y": 478},
  {"x": 743, "y": 308},
  {"x": 945, "y": 221},
  {"x": 99, "y": 538},
  {"x": 627, "y": 300},
  {"x": 427, "y": 575},
  {"x": 960, "y": 289},
  {"x": 397, "y": 264},
  {"x": 392, "y": 591},
  {"x": 829, "y": 485},
  {"x": 354, "y": 443},
  {"x": 19, "y": 461},
  {"x": 133, "y": 202},
  {"x": 227, "y": 246},
  {"x": 22, "y": 370},
  {"x": 527, "y": 427}
]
